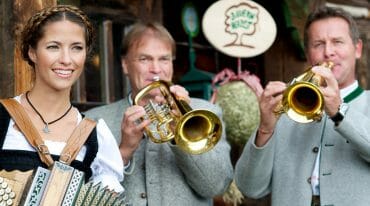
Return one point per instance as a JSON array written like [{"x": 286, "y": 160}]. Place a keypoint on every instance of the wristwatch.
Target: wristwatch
[{"x": 338, "y": 117}]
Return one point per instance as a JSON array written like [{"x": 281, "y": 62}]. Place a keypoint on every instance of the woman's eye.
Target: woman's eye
[
  {"x": 78, "y": 48},
  {"x": 53, "y": 47}
]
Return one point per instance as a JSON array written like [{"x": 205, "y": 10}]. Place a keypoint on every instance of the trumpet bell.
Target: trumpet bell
[
  {"x": 303, "y": 102},
  {"x": 198, "y": 131},
  {"x": 194, "y": 131}
]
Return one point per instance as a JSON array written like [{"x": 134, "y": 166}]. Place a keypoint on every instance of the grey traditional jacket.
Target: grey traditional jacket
[
  {"x": 164, "y": 175},
  {"x": 284, "y": 165}
]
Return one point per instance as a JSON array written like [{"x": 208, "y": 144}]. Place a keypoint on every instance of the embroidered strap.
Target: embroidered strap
[
  {"x": 76, "y": 140},
  {"x": 74, "y": 143},
  {"x": 24, "y": 123}
]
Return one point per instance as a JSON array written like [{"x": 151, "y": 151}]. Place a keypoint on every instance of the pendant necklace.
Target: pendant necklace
[{"x": 46, "y": 128}]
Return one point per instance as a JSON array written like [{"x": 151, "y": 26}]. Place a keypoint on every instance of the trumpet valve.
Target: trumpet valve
[{"x": 158, "y": 113}]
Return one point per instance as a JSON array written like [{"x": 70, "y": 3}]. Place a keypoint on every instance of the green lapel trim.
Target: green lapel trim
[{"x": 353, "y": 94}]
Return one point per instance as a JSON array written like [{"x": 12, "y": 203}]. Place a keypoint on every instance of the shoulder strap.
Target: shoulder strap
[
  {"x": 24, "y": 123},
  {"x": 74, "y": 143},
  {"x": 76, "y": 140}
]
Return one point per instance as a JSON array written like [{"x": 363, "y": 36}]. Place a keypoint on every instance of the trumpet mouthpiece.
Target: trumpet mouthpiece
[
  {"x": 328, "y": 64},
  {"x": 156, "y": 78}
]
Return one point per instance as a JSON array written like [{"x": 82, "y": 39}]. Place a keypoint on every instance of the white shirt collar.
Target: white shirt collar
[
  {"x": 346, "y": 91},
  {"x": 130, "y": 98}
]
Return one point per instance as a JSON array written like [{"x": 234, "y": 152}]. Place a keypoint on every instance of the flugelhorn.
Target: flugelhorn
[
  {"x": 302, "y": 100},
  {"x": 194, "y": 131}
]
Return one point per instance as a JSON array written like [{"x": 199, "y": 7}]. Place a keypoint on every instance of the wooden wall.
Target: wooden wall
[
  {"x": 280, "y": 62},
  {"x": 15, "y": 74},
  {"x": 6, "y": 48},
  {"x": 363, "y": 66}
]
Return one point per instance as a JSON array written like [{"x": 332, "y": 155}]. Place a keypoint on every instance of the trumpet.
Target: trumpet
[
  {"x": 194, "y": 131},
  {"x": 303, "y": 101}
]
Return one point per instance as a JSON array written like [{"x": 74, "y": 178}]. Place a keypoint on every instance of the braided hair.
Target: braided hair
[{"x": 34, "y": 29}]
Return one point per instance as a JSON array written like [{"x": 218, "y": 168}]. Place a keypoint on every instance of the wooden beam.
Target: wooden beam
[
  {"x": 22, "y": 11},
  {"x": 117, "y": 15},
  {"x": 6, "y": 54}
]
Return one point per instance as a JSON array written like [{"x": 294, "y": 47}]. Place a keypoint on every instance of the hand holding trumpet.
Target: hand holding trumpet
[
  {"x": 269, "y": 99},
  {"x": 171, "y": 119},
  {"x": 330, "y": 90},
  {"x": 133, "y": 125},
  {"x": 303, "y": 100}
]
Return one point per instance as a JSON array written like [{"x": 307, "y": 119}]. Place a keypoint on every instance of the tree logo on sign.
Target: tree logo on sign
[{"x": 241, "y": 20}]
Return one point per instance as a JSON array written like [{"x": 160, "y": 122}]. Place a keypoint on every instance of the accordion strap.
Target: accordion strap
[
  {"x": 24, "y": 123},
  {"x": 76, "y": 140}
]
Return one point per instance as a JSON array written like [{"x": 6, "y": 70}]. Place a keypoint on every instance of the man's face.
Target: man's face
[
  {"x": 147, "y": 59},
  {"x": 329, "y": 40}
]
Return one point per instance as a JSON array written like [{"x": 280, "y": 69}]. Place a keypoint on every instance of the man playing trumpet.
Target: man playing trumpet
[
  {"x": 323, "y": 162},
  {"x": 161, "y": 174}
]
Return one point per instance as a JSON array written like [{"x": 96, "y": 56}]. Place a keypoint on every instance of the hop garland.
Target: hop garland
[{"x": 240, "y": 111}]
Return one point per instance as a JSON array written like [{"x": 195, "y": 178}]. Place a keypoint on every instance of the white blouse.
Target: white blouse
[{"x": 107, "y": 167}]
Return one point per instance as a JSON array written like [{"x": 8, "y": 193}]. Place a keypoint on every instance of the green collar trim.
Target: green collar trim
[{"x": 353, "y": 94}]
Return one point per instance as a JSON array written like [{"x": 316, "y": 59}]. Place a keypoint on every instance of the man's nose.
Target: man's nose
[
  {"x": 329, "y": 50},
  {"x": 155, "y": 66}
]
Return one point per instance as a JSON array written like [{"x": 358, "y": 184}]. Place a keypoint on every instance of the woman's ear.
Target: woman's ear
[{"x": 32, "y": 54}]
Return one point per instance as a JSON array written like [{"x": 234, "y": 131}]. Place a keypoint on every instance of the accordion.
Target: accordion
[{"x": 62, "y": 185}]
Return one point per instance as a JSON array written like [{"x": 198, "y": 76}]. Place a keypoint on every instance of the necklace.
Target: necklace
[{"x": 46, "y": 128}]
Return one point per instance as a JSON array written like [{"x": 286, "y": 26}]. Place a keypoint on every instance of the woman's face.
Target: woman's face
[{"x": 60, "y": 55}]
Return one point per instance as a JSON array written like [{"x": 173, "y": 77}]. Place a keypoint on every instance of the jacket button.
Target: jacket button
[
  {"x": 309, "y": 180},
  {"x": 315, "y": 150},
  {"x": 143, "y": 195}
]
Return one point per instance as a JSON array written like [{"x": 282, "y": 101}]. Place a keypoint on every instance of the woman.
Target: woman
[{"x": 56, "y": 42}]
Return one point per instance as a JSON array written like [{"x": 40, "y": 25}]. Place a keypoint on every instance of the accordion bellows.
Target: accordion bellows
[{"x": 62, "y": 185}]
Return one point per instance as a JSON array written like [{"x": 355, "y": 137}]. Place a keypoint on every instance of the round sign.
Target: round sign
[
  {"x": 239, "y": 28},
  {"x": 189, "y": 19}
]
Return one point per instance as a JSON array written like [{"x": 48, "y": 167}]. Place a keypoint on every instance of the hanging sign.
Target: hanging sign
[{"x": 239, "y": 28}]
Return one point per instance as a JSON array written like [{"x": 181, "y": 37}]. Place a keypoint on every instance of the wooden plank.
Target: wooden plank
[
  {"x": 106, "y": 64},
  {"x": 22, "y": 11},
  {"x": 363, "y": 64},
  {"x": 6, "y": 54}
]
